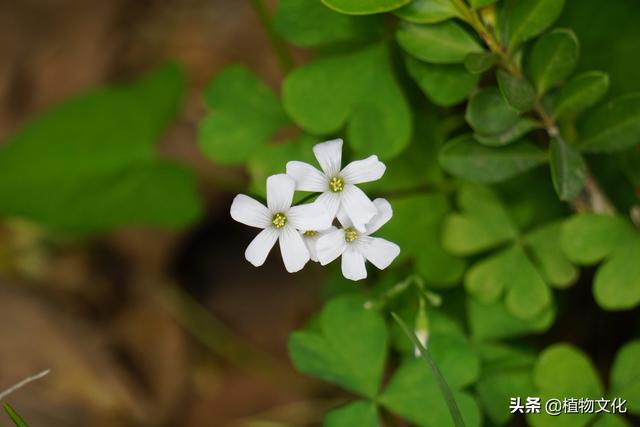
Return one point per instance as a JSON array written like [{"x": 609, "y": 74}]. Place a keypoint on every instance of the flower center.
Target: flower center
[
  {"x": 279, "y": 220},
  {"x": 350, "y": 234},
  {"x": 310, "y": 233},
  {"x": 336, "y": 184}
]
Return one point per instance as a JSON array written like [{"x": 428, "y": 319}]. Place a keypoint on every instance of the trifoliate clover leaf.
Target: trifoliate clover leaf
[
  {"x": 245, "y": 113},
  {"x": 357, "y": 90},
  {"x": 350, "y": 350},
  {"x": 625, "y": 375},
  {"x": 360, "y": 413}
]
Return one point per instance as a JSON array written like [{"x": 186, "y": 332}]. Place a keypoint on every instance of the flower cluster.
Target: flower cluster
[{"x": 306, "y": 231}]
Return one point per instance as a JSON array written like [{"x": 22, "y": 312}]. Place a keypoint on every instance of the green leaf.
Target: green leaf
[
  {"x": 310, "y": 23},
  {"x": 364, "y": 7},
  {"x": 413, "y": 388},
  {"x": 246, "y": 113},
  {"x": 435, "y": 265},
  {"x": 428, "y": 11},
  {"x": 522, "y": 127},
  {"x": 93, "y": 165},
  {"x": 580, "y": 93},
  {"x": 511, "y": 271},
  {"x": 493, "y": 321},
  {"x": 568, "y": 169},
  {"x": 17, "y": 420},
  {"x": 465, "y": 158},
  {"x": 444, "y": 43},
  {"x": 563, "y": 371},
  {"x": 482, "y": 224},
  {"x": 351, "y": 349},
  {"x": 516, "y": 90},
  {"x": 611, "y": 421},
  {"x": 355, "y": 89},
  {"x": 477, "y": 63},
  {"x": 506, "y": 372},
  {"x": 489, "y": 113},
  {"x": 444, "y": 85},
  {"x": 528, "y": 18},
  {"x": 588, "y": 238},
  {"x": 476, "y": 4},
  {"x": 617, "y": 282},
  {"x": 546, "y": 251},
  {"x": 432, "y": 208},
  {"x": 553, "y": 58},
  {"x": 358, "y": 413},
  {"x": 625, "y": 375},
  {"x": 612, "y": 127}
]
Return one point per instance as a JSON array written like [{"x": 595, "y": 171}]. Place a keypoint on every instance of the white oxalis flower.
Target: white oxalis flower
[
  {"x": 279, "y": 221},
  {"x": 338, "y": 185},
  {"x": 311, "y": 238},
  {"x": 356, "y": 247}
]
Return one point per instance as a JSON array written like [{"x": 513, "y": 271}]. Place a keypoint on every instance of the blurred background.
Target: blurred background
[{"x": 142, "y": 326}]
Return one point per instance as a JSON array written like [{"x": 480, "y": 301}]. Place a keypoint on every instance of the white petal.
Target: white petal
[
  {"x": 307, "y": 177},
  {"x": 343, "y": 218},
  {"x": 280, "y": 190},
  {"x": 353, "y": 267},
  {"x": 331, "y": 246},
  {"x": 385, "y": 212},
  {"x": 379, "y": 252},
  {"x": 331, "y": 202},
  {"x": 357, "y": 206},
  {"x": 260, "y": 246},
  {"x": 294, "y": 252},
  {"x": 367, "y": 170},
  {"x": 250, "y": 212},
  {"x": 312, "y": 216},
  {"x": 311, "y": 242},
  {"x": 329, "y": 155}
]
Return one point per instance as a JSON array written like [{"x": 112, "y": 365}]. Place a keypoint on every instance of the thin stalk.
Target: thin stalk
[
  {"x": 278, "y": 47},
  {"x": 442, "y": 384},
  {"x": 23, "y": 383}
]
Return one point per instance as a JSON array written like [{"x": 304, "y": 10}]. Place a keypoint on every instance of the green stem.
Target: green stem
[
  {"x": 277, "y": 45},
  {"x": 442, "y": 384}
]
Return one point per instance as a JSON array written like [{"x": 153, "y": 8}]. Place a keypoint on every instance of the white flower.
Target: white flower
[
  {"x": 311, "y": 238},
  {"x": 338, "y": 185},
  {"x": 279, "y": 221},
  {"x": 355, "y": 246}
]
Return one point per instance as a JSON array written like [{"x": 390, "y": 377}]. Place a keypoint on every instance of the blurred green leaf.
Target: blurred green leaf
[
  {"x": 92, "y": 165},
  {"x": 17, "y": 420},
  {"x": 612, "y": 127},
  {"x": 364, "y": 7},
  {"x": 522, "y": 127},
  {"x": 351, "y": 350},
  {"x": 489, "y": 113},
  {"x": 245, "y": 114},
  {"x": 310, "y": 23},
  {"x": 428, "y": 11},
  {"x": 482, "y": 224},
  {"x": 477, "y": 63},
  {"x": 443, "y": 43},
  {"x": 625, "y": 375},
  {"x": 516, "y": 90},
  {"x": 444, "y": 85},
  {"x": 476, "y": 4},
  {"x": 438, "y": 268},
  {"x": 413, "y": 388},
  {"x": 611, "y": 421},
  {"x": 529, "y": 18},
  {"x": 356, "y": 89},
  {"x": 465, "y": 158},
  {"x": 588, "y": 238},
  {"x": 617, "y": 282},
  {"x": 580, "y": 93},
  {"x": 553, "y": 59},
  {"x": 547, "y": 254},
  {"x": 564, "y": 371},
  {"x": 568, "y": 169},
  {"x": 493, "y": 321},
  {"x": 360, "y": 413}
]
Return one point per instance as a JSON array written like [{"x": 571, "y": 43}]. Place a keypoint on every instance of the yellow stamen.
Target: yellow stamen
[
  {"x": 279, "y": 220},
  {"x": 336, "y": 184},
  {"x": 350, "y": 234},
  {"x": 310, "y": 233}
]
